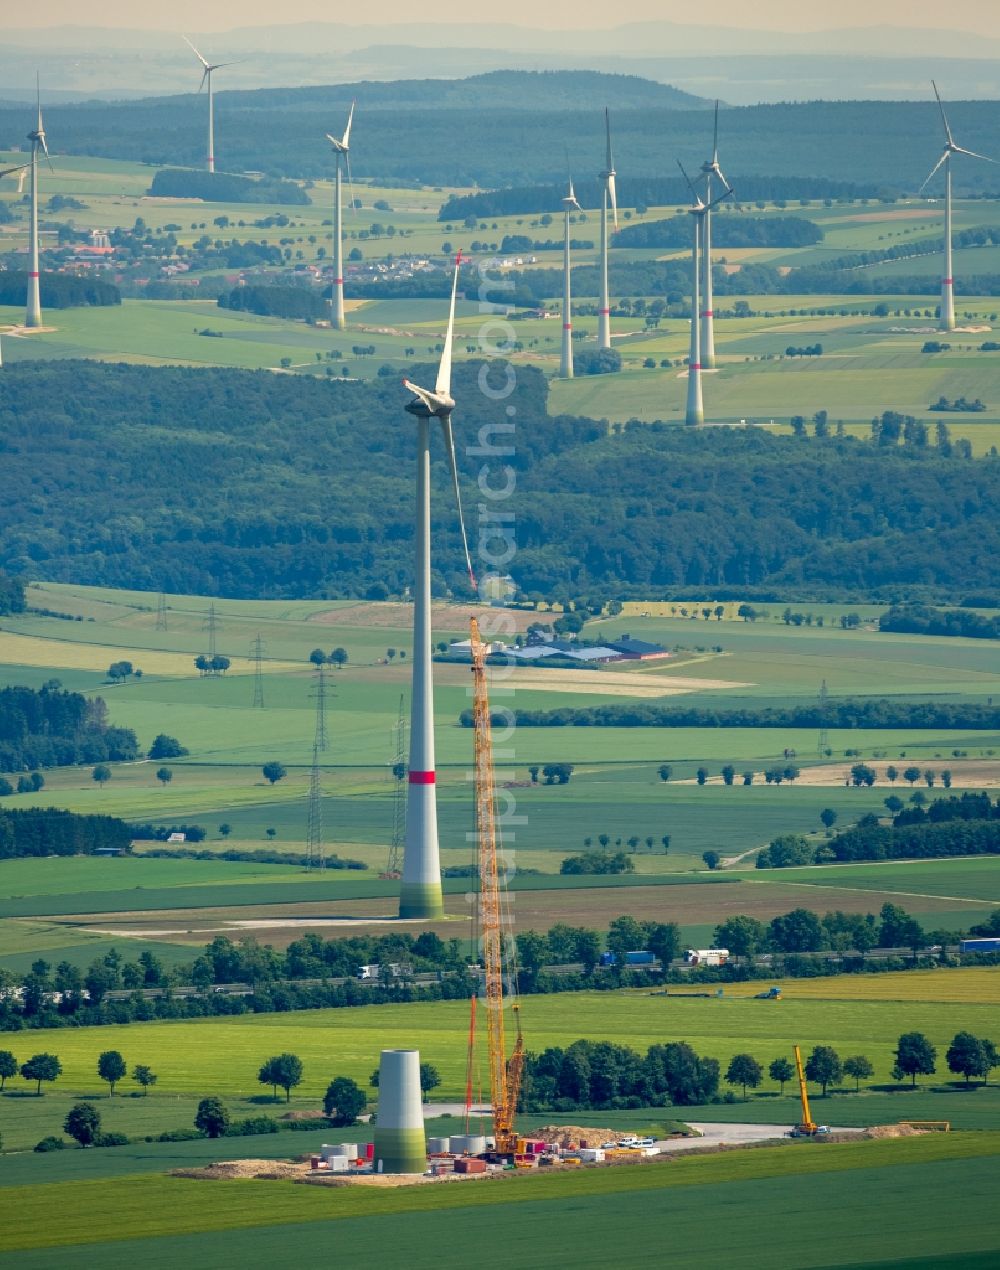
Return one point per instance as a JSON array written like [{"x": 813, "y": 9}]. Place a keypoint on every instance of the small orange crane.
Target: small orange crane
[
  {"x": 505, "y": 1074},
  {"x": 807, "y": 1128}
]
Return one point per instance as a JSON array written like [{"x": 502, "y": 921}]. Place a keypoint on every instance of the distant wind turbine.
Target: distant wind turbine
[
  {"x": 709, "y": 170},
  {"x": 609, "y": 197},
  {"x": 342, "y": 154},
  {"x": 420, "y": 891},
  {"x": 33, "y": 311},
  {"x": 569, "y": 204},
  {"x": 206, "y": 78},
  {"x": 947, "y": 322},
  {"x": 698, "y": 210}
]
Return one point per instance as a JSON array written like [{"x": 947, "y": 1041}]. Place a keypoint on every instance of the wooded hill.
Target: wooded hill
[
  {"x": 241, "y": 483},
  {"x": 498, "y": 130}
]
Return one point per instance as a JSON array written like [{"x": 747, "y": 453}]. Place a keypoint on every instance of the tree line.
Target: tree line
[
  {"x": 49, "y": 727},
  {"x": 282, "y": 302},
  {"x": 565, "y": 959},
  {"x": 877, "y": 712},
  {"x": 923, "y": 619}
]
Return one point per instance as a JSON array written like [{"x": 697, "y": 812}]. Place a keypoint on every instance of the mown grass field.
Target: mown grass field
[
  {"x": 584, "y": 1216},
  {"x": 223, "y": 1055}
]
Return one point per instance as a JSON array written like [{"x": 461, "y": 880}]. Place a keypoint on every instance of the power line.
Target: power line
[
  {"x": 210, "y": 626},
  {"x": 319, "y": 695},
  {"x": 314, "y": 816},
  {"x": 824, "y": 707},
  {"x": 161, "y": 612},
  {"x": 257, "y": 655}
]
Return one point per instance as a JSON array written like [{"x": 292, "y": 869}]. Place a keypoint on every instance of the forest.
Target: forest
[
  {"x": 224, "y": 187},
  {"x": 478, "y": 134},
  {"x": 49, "y": 831},
  {"x": 283, "y": 302},
  {"x": 920, "y": 619},
  {"x": 59, "y": 290},
  {"x": 727, "y": 231},
  {"x": 272, "y": 486},
  {"x": 49, "y": 727}
]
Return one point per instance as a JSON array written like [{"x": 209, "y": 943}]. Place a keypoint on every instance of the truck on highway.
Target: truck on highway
[
  {"x": 980, "y": 945},
  {"x": 374, "y": 971},
  {"x": 634, "y": 960},
  {"x": 706, "y": 956}
]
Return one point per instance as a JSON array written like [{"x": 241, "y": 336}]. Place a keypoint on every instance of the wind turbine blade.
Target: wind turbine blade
[
  {"x": 614, "y": 197},
  {"x": 347, "y": 131},
  {"x": 715, "y": 137},
  {"x": 206, "y": 74},
  {"x": 607, "y": 128},
  {"x": 973, "y": 155},
  {"x": 350, "y": 179},
  {"x": 449, "y": 445},
  {"x": 694, "y": 192},
  {"x": 443, "y": 385},
  {"x": 944, "y": 117},
  {"x": 727, "y": 193},
  {"x": 10, "y": 171},
  {"x": 934, "y": 171},
  {"x": 194, "y": 50}
]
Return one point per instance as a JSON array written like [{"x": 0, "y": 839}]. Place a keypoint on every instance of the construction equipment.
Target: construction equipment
[
  {"x": 807, "y": 1128},
  {"x": 505, "y": 1074}
]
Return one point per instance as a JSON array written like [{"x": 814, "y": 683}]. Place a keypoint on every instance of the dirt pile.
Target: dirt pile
[
  {"x": 893, "y": 1131},
  {"x": 573, "y": 1134},
  {"x": 228, "y": 1170}
]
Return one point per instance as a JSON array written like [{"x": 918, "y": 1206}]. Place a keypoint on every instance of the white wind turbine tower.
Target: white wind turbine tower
[
  {"x": 20, "y": 170},
  {"x": 710, "y": 170},
  {"x": 33, "y": 310},
  {"x": 698, "y": 210},
  {"x": 609, "y": 197},
  {"x": 342, "y": 153},
  {"x": 569, "y": 204},
  {"x": 947, "y": 322},
  {"x": 420, "y": 890},
  {"x": 206, "y": 78}
]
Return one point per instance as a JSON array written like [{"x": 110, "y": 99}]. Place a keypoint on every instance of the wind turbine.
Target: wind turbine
[
  {"x": 569, "y": 204},
  {"x": 420, "y": 890},
  {"x": 698, "y": 210},
  {"x": 206, "y": 77},
  {"x": 709, "y": 170},
  {"x": 947, "y": 322},
  {"x": 609, "y": 197},
  {"x": 33, "y": 313},
  {"x": 342, "y": 153}
]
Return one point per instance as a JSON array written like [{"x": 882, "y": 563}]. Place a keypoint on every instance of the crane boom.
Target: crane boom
[
  {"x": 505, "y": 1075},
  {"x": 807, "y": 1126}
]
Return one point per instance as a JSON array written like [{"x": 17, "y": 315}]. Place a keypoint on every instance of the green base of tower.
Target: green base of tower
[
  {"x": 401, "y": 1150},
  {"x": 421, "y": 899}
]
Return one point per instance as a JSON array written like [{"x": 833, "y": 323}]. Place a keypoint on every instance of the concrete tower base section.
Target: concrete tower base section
[
  {"x": 400, "y": 1146},
  {"x": 421, "y": 899},
  {"x": 400, "y": 1150}
]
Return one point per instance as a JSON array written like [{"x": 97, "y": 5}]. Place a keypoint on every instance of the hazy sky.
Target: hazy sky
[{"x": 982, "y": 16}]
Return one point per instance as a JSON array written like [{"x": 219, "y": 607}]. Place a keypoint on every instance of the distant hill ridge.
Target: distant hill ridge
[{"x": 506, "y": 89}]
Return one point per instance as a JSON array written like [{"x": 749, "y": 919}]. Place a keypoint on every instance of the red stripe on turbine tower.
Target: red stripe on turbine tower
[
  {"x": 604, "y": 312},
  {"x": 338, "y": 282},
  {"x": 567, "y": 326},
  {"x": 422, "y": 778},
  {"x": 949, "y": 282},
  {"x": 696, "y": 366},
  {"x": 34, "y": 275}
]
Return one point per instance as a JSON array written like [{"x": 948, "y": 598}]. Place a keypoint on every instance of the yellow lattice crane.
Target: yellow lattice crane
[{"x": 505, "y": 1074}]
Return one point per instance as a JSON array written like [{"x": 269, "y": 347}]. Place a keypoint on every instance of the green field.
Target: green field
[
  {"x": 586, "y": 1216},
  {"x": 224, "y": 1054},
  {"x": 755, "y": 382}
]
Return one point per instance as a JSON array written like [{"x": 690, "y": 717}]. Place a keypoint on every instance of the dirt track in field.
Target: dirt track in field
[{"x": 694, "y": 904}]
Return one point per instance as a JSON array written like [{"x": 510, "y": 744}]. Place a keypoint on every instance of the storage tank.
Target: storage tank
[
  {"x": 349, "y": 1149},
  {"x": 438, "y": 1146},
  {"x": 399, "y": 1130}
]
